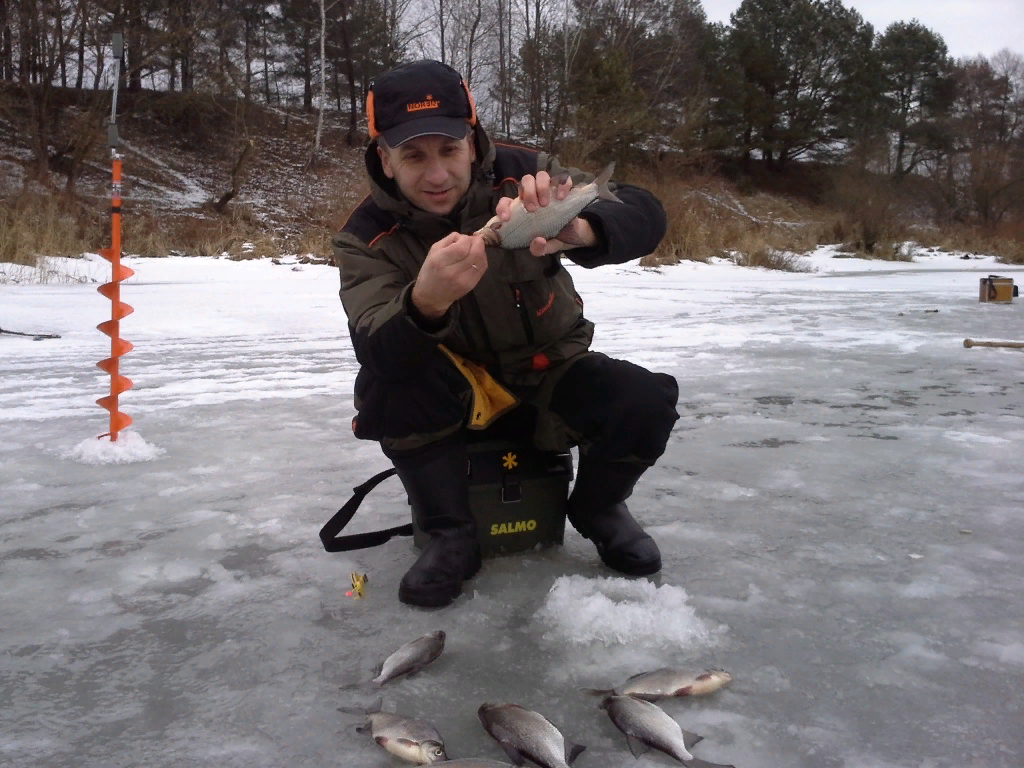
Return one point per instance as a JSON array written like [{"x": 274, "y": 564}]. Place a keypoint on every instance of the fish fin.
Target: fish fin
[
  {"x": 686, "y": 690},
  {"x": 689, "y": 739},
  {"x": 638, "y": 674},
  {"x": 575, "y": 751},
  {"x": 598, "y": 691},
  {"x": 363, "y": 728},
  {"x": 352, "y": 710},
  {"x": 382, "y": 740},
  {"x": 603, "y": 193},
  {"x": 704, "y": 675},
  {"x": 406, "y": 742},
  {"x": 517, "y": 757},
  {"x": 560, "y": 178},
  {"x": 650, "y": 698},
  {"x": 636, "y": 746}
]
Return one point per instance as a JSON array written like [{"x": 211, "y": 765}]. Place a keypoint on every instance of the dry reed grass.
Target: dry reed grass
[
  {"x": 35, "y": 225},
  {"x": 707, "y": 219},
  {"x": 1005, "y": 241}
]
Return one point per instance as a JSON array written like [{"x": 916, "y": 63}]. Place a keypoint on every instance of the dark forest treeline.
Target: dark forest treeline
[{"x": 784, "y": 81}]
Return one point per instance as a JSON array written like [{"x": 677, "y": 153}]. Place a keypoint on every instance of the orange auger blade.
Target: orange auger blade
[{"x": 118, "y": 311}]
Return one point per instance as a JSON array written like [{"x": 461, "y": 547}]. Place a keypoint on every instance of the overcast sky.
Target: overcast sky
[{"x": 969, "y": 27}]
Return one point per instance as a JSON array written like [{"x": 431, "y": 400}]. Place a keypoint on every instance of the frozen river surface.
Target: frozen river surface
[{"x": 840, "y": 511}]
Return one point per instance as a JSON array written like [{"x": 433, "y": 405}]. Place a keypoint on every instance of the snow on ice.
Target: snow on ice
[{"x": 836, "y": 441}]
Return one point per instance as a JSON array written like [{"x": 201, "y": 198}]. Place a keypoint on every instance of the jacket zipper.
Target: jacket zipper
[{"x": 524, "y": 315}]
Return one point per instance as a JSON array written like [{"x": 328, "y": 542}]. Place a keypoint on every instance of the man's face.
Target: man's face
[{"x": 433, "y": 172}]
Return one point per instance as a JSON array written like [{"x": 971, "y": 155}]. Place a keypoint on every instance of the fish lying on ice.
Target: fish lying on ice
[
  {"x": 414, "y": 741},
  {"x": 548, "y": 220},
  {"x": 647, "y": 727},
  {"x": 667, "y": 682},
  {"x": 407, "y": 660},
  {"x": 527, "y": 735}
]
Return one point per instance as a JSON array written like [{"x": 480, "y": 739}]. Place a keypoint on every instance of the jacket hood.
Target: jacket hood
[{"x": 385, "y": 192}]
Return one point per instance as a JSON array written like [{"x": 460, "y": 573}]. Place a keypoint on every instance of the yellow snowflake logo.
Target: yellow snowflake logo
[{"x": 509, "y": 460}]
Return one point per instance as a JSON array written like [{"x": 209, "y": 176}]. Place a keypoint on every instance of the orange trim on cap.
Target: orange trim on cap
[
  {"x": 371, "y": 121},
  {"x": 472, "y": 104}
]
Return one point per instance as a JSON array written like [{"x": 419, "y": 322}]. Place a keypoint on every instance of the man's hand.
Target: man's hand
[
  {"x": 453, "y": 267},
  {"x": 535, "y": 192}
]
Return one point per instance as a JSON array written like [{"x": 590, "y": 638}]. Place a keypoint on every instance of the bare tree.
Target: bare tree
[{"x": 42, "y": 68}]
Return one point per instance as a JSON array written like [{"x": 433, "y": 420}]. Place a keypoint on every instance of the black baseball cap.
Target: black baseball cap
[{"x": 419, "y": 99}]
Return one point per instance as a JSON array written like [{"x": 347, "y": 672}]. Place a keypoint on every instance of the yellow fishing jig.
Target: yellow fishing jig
[{"x": 359, "y": 582}]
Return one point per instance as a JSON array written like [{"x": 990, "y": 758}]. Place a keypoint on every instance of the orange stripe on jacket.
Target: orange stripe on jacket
[{"x": 378, "y": 237}]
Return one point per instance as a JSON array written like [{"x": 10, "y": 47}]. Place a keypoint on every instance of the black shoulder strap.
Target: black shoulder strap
[{"x": 329, "y": 533}]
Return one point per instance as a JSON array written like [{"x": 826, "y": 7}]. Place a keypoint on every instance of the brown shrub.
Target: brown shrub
[
  {"x": 769, "y": 258},
  {"x": 867, "y": 214}
]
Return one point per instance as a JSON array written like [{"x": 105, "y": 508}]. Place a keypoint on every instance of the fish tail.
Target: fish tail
[
  {"x": 574, "y": 751},
  {"x": 374, "y": 708},
  {"x": 603, "y": 193}
]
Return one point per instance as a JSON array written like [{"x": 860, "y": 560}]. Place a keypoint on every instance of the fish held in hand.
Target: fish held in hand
[
  {"x": 548, "y": 220},
  {"x": 414, "y": 741},
  {"x": 666, "y": 683},
  {"x": 648, "y": 727},
  {"x": 527, "y": 735}
]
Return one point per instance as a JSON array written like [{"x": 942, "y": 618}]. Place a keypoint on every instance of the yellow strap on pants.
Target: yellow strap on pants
[{"x": 490, "y": 399}]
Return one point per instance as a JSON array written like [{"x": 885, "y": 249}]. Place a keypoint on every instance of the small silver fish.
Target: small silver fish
[
  {"x": 527, "y": 735},
  {"x": 414, "y": 741},
  {"x": 667, "y": 682},
  {"x": 548, "y": 220},
  {"x": 410, "y": 658},
  {"x": 648, "y": 727}
]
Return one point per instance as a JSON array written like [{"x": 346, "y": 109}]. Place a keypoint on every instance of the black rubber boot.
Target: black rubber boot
[
  {"x": 597, "y": 510},
  {"x": 437, "y": 483}
]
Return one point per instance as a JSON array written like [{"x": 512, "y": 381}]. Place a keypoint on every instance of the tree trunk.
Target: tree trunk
[
  {"x": 97, "y": 78},
  {"x": 133, "y": 44},
  {"x": 266, "y": 65},
  {"x": 25, "y": 33},
  {"x": 247, "y": 90},
  {"x": 79, "y": 77},
  {"x": 352, "y": 139},
  {"x": 237, "y": 174},
  {"x": 471, "y": 47},
  {"x": 6, "y": 63},
  {"x": 307, "y": 73},
  {"x": 441, "y": 28},
  {"x": 323, "y": 84},
  {"x": 62, "y": 52}
]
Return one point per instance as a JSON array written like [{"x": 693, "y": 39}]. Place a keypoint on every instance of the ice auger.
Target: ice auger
[{"x": 118, "y": 273}]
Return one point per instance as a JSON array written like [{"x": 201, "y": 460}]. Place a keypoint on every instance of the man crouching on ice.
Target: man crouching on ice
[{"x": 451, "y": 334}]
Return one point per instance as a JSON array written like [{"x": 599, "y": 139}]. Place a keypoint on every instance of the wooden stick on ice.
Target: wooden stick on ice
[{"x": 1012, "y": 344}]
